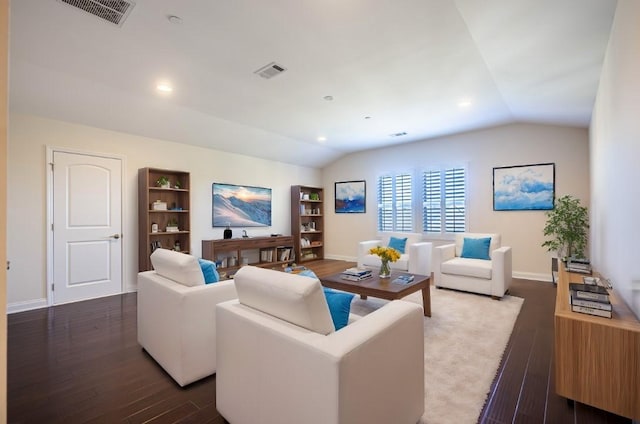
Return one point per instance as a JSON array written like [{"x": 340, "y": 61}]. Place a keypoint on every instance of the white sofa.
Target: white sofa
[
  {"x": 176, "y": 315},
  {"x": 415, "y": 260},
  {"x": 491, "y": 277},
  {"x": 281, "y": 362}
]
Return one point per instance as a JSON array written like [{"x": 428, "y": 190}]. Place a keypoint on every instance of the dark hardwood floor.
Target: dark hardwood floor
[{"x": 81, "y": 363}]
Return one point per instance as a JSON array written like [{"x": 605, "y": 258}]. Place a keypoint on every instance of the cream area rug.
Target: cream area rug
[{"x": 463, "y": 344}]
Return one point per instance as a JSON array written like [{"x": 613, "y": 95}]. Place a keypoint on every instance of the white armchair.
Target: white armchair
[
  {"x": 491, "y": 277},
  {"x": 176, "y": 315},
  {"x": 415, "y": 260},
  {"x": 280, "y": 361}
]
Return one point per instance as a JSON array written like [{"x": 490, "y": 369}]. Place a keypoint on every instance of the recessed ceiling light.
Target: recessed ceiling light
[
  {"x": 174, "y": 19},
  {"x": 367, "y": 117},
  {"x": 322, "y": 139},
  {"x": 464, "y": 103},
  {"x": 164, "y": 88},
  {"x": 328, "y": 98}
]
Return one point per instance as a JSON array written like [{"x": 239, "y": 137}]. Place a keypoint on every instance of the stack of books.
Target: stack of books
[
  {"x": 403, "y": 279},
  {"x": 581, "y": 266},
  {"x": 590, "y": 299},
  {"x": 356, "y": 274}
]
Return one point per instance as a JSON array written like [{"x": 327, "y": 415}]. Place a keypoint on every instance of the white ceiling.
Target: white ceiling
[{"x": 404, "y": 63}]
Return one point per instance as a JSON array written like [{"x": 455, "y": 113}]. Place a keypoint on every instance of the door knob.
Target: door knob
[{"x": 116, "y": 236}]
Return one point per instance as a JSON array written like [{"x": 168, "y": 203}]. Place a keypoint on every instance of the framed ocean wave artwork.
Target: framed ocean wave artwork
[
  {"x": 524, "y": 187},
  {"x": 351, "y": 196}
]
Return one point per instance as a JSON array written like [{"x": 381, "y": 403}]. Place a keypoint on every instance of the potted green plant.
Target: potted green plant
[
  {"x": 163, "y": 182},
  {"x": 567, "y": 225}
]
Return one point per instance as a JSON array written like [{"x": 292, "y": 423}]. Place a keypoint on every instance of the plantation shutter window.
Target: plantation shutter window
[
  {"x": 444, "y": 201},
  {"x": 395, "y": 208}
]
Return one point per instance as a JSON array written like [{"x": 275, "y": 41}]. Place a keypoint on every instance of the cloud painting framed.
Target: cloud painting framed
[
  {"x": 351, "y": 196},
  {"x": 524, "y": 187}
]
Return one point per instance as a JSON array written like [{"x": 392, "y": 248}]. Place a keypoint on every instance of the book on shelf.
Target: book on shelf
[
  {"x": 403, "y": 279},
  {"x": 591, "y": 311},
  {"x": 581, "y": 266},
  {"x": 589, "y": 292},
  {"x": 355, "y": 277},
  {"x": 605, "y": 306}
]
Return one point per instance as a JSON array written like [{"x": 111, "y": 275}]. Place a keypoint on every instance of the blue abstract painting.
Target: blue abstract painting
[
  {"x": 524, "y": 187},
  {"x": 351, "y": 197},
  {"x": 241, "y": 206}
]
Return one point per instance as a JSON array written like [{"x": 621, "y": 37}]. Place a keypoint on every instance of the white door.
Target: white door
[{"x": 87, "y": 226}]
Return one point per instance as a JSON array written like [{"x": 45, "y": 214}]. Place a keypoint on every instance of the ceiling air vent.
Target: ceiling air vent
[
  {"x": 112, "y": 11},
  {"x": 398, "y": 134},
  {"x": 270, "y": 70}
]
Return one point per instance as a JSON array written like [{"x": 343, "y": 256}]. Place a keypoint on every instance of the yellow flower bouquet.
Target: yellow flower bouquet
[{"x": 386, "y": 254}]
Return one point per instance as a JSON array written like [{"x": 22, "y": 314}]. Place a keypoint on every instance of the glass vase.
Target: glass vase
[{"x": 385, "y": 269}]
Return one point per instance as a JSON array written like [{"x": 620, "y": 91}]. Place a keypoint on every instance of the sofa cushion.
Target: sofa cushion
[
  {"x": 339, "y": 302},
  {"x": 293, "y": 298},
  {"x": 209, "y": 271},
  {"x": 176, "y": 266},
  {"x": 476, "y": 248},
  {"x": 339, "y": 306},
  {"x": 467, "y": 267},
  {"x": 495, "y": 241},
  {"x": 398, "y": 243}
]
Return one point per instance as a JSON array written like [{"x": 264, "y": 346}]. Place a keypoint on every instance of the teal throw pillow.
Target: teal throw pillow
[
  {"x": 398, "y": 243},
  {"x": 339, "y": 302},
  {"x": 476, "y": 248},
  {"x": 339, "y": 306},
  {"x": 209, "y": 271}
]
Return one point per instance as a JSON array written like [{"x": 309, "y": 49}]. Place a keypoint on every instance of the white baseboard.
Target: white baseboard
[
  {"x": 532, "y": 276},
  {"x": 342, "y": 258},
  {"x": 26, "y": 305}
]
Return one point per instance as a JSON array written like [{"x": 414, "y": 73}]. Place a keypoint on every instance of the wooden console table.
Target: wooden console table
[
  {"x": 273, "y": 247},
  {"x": 597, "y": 360}
]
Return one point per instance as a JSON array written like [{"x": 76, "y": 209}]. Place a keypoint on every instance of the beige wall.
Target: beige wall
[
  {"x": 516, "y": 144},
  {"x": 28, "y": 138},
  {"x": 4, "y": 29},
  {"x": 615, "y": 146}
]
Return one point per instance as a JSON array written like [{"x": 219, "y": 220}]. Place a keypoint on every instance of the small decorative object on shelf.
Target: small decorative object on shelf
[
  {"x": 172, "y": 226},
  {"x": 386, "y": 254},
  {"x": 227, "y": 232},
  {"x": 178, "y": 185},
  {"x": 176, "y": 246},
  {"x": 154, "y": 227},
  {"x": 159, "y": 205},
  {"x": 163, "y": 182}
]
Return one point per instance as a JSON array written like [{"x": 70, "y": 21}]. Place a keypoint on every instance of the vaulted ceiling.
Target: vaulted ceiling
[{"x": 357, "y": 71}]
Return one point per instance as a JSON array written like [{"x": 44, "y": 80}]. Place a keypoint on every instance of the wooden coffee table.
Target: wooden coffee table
[{"x": 383, "y": 288}]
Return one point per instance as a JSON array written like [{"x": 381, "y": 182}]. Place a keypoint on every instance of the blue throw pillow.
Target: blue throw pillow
[
  {"x": 398, "y": 244},
  {"x": 339, "y": 306},
  {"x": 339, "y": 302},
  {"x": 476, "y": 248},
  {"x": 209, "y": 271}
]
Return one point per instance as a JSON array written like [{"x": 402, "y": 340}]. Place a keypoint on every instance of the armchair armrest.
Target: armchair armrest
[
  {"x": 442, "y": 254},
  {"x": 420, "y": 258},
  {"x": 363, "y": 250},
  {"x": 501, "y": 274}
]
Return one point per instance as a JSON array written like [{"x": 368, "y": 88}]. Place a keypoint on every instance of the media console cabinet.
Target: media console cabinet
[
  {"x": 271, "y": 251},
  {"x": 597, "y": 360}
]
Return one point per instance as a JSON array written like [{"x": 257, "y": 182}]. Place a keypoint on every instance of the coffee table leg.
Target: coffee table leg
[
  {"x": 363, "y": 296},
  {"x": 426, "y": 301}
]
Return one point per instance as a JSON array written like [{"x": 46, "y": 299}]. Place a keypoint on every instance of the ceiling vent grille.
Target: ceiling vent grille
[
  {"x": 112, "y": 11},
  {"x": 270, "y": 70}
]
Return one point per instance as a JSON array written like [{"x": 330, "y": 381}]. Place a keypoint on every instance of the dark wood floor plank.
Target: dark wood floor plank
[{"x": 81, "y": 363}]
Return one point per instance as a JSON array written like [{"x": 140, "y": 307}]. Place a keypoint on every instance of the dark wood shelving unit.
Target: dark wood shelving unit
[
  {"x": 177, "y": 203},
  {"x": 307, "y": 222}
]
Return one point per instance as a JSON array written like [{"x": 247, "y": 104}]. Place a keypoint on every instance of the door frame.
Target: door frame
[{"x": 49, "y": 204}]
